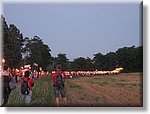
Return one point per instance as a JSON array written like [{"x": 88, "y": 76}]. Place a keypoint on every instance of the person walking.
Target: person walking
[
  {"x": 6, "y": 78},
  {"x": 26, "y": 88},
  {"x": 58, "y": 79}
]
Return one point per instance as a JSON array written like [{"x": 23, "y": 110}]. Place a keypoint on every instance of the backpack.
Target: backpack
[
  {"x": 59, "y": 82},
  {"x": 25, "y": 88},
  {"x": 12, "y": 84}
]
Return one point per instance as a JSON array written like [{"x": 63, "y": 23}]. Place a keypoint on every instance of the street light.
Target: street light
[{"x": 3, "y": 60}]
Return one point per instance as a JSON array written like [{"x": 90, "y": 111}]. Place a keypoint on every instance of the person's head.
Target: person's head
[
  {"x": 5, "y": 67},
  {"x": 26, "y": 74},
  {"x": 58, "y": 69}
]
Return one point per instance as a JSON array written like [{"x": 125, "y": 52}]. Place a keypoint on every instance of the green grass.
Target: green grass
[
  {"x": 89, "y": 81},
  {"x": 129, "y": 85},
  {"x": 75, "y": 86},
  {"x": 103, "y": 83},
  {"x": 96, "y": 98},
  {"x": 42, "y": 94},
  {"x": 132, "y": 85},
  {"x": 119, "y": 85},
  {"x": 82, "y": 98}
]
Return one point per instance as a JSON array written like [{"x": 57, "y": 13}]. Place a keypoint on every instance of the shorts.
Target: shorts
[{"x": 58, "y": 90}]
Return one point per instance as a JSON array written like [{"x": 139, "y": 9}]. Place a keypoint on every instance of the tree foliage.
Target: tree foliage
[
  {"x": 37, "y": 52},
  {"x": 18, "y": 51},
  {"x": 62, "y": 60},
  {"x": 130, "y": 58},
  {"x": 99, "y": 61},
  {"x": 12, "y": 43}
]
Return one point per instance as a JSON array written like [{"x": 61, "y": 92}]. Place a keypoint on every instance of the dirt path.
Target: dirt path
[{"x": 116, "y": 90}]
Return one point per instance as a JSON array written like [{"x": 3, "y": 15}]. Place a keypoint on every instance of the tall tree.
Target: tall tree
[
  {"x": 16, "y": 45},
  {"x": 6, "y": 40},
  {"x": 37, "y": 52},
  {"x": 89, "y": 64},
  {"x": 139, "y": 59},
  {"x": 12, "y": 44},
  {"x": 80, "y": 64},
  {"x": 130, "y": 58},
  {"x": 110, "y": 62},
  {"x": 98, "y": 61}
]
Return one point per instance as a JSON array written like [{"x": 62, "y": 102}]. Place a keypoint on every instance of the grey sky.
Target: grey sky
[{"x": 78, "y": 29}]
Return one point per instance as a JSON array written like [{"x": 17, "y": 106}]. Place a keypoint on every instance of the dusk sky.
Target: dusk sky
[{"x": 78, "y": 30}]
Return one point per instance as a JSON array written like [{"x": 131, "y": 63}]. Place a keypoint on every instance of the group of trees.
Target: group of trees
[
  {"x": 35, "y": 51},
  {"x": 129, "y": 58},
  {"x": 19, "y": 50},
  {"x": 12, "y": 43}
]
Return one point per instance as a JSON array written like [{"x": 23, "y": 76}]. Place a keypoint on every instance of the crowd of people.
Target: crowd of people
[
  {"x": 92, "y": 73},
  {"x": 24, "y": 80},
  {"x": 12, "y": 79}
]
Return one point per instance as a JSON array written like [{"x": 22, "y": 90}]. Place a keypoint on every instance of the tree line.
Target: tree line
[{"x": 19, "y": 50}]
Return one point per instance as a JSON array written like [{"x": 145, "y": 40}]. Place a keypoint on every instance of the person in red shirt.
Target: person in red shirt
[
  {"x": 58, "y": 79},
  {"x": 30, "y": 82},
  {"x": 19, "y": 75}
]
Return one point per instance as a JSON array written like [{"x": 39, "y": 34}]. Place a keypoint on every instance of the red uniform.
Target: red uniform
[
  {"x": 20, "y": 73},
  {"x": 30, "y": 82},
  {"x": 58, "y": 72},
  {"x": 59, "y": 88}
]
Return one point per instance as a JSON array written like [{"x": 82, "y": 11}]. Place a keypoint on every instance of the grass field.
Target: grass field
[{"x": 125, "y": 89}]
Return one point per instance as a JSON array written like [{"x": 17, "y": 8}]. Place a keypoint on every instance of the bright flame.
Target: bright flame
[
  {"x": 3, "y": 60},
  {"x": 119, "y": 69},
  {"x": 17, "y": 70}
]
